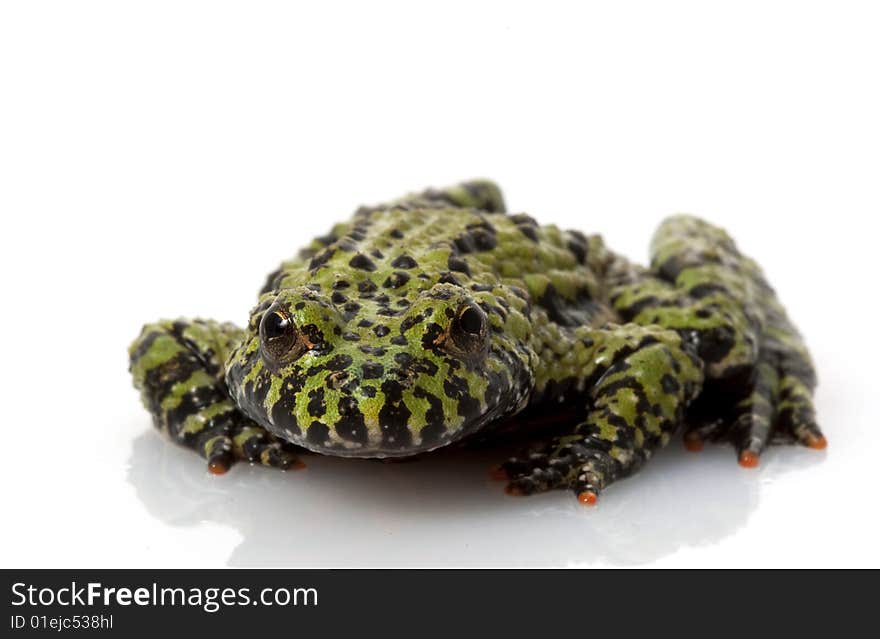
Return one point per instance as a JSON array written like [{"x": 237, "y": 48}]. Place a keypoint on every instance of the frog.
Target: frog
[{"x": 440, "y": 319}]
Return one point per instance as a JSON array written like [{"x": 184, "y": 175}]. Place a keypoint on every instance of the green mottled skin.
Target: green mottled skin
[{"x": 422, "y": 322}]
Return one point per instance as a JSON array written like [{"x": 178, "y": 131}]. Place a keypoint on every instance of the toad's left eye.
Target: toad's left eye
[{"x": 469, "y": 329}]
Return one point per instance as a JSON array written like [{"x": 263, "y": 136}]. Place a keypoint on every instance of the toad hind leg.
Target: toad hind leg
[
  {"x": 637, "y": 381},
  {"x": 178, "y": 368},
  {"x": 760, "y": 377}
]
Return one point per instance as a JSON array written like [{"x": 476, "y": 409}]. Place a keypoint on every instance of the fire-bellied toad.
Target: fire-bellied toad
[{"x": 421, "y": 322}]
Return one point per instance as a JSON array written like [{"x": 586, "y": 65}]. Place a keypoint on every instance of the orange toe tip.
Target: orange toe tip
[
  {"x": 748, "y": 459},
  {"x": 498, "y": 472},
  {"x": 693, "y": 444},
  {"x": 217, "y": 468},
  {"x": 296, "y": 465},
  {"x": 514, "y": 490},
  {"x": 588, "y": 498},
  {"x": 817, "y": 442}
]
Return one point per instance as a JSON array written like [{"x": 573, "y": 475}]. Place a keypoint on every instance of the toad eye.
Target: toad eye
[
  {"x": 280, "y": 340},
  {"x": 470, "y": 320},
  {"x": 469, "y": 329}
]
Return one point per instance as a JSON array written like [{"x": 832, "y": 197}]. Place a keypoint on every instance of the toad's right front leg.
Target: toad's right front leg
[{"x": 177, "y": 366}]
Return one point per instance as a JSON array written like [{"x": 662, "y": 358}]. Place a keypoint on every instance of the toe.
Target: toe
[
  {"x": 587, "y": 498},
  {"x": 748, "y": 459},
  {"x": 693, "y": 442}
]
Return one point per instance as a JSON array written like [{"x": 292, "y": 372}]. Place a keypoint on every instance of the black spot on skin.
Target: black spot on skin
[
  {"x": 431, "y": 337},
  {"x": 351, "y": 337},
  {"x": 639, "y": 305},
  {"x": 529, "y": 232},
  {"x": 191, "y": 403},
  {"x": 464, "y": 243},
  {"x": 577, "y": 244},
  {"x": 396, "y": 280},
  {"x": 457, "y": 264},
  {"x": 440, "y": 293},
  {"x": 457, "y": 388},
  {"x": 448, "y": 278},
  {"x": 317, "y": 434},
  {"x": 397, "y": 234},
  {"x": 362, "y": 262},
  {"x": 377, "y": 254},
  {"x": 378, "y": 351},
  {"x": 576, "y": 312},
  {"x": 410, "y": 365},
  {"x": 340, "y": 284},
  {"x": 365, "y": 323},
  {"x": 300, "y": 306},
  {"x": 372, "y": 370},
  {"x": 347, "y": 245},
  {"x": 321, "y": 258},
  {"x": 394, "y": 417},
  {"x": 411, "y": 321},
  {"x": 272, "y": 281},
  {"x": 351, "y": 425},
  {"x": 387, "y": 312},
  {"x": 381, "y": 330},
  {"x": 398, "y": 340},
  {"x": 338, "y": 298},
  {"x": 435, "y": 425},
  {"x": 145, "y": 345},
  {"x": 716, "y": 343},
  {"x": 521, "y": 219},
  {"x": 366, "y": 286},
  {"x": 484, "y": 235},
  {"x": 404, "y": 262},
  {"x": 352, "y": 307},
  {"x": 669, "y": 383},
  {"x": 316, "y": 405},
  {"x": 706, "y": 289},
  {"x": 328, "y": 239},
  {"x": 316, "y": 337},
  {"x": 368, "y": 391},
  {"x": 383, "y": 300},
  {"x": 338, "y": 363}
]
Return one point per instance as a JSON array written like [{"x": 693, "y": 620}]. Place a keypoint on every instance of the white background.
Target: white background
[{"x": 158, "y": 158}]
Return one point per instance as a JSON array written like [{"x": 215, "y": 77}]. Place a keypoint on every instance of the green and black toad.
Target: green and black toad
[{"x": 422, "y": 322}]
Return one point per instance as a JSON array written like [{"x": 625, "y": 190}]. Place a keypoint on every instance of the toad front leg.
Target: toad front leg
[
  {"x": 178, "y": 368},
  {"x": 635, "y": 382}
]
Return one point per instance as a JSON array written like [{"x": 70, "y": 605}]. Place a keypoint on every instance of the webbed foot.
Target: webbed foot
[
  {"x": 777, "y": 408},
  {"x": 564, "y": 464}
]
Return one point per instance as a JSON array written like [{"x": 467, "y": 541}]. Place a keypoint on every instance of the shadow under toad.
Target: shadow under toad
[{"x": 442, "y": 510}]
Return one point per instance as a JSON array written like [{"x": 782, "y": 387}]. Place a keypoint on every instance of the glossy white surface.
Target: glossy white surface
[{"x": 159, "y": 161}]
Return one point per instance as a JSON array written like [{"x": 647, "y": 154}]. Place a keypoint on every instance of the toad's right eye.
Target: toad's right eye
[{"x": 280, "y": 340}]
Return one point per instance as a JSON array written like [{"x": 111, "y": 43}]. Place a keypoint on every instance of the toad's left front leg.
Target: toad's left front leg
[{"x": 637, "y": 382}]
